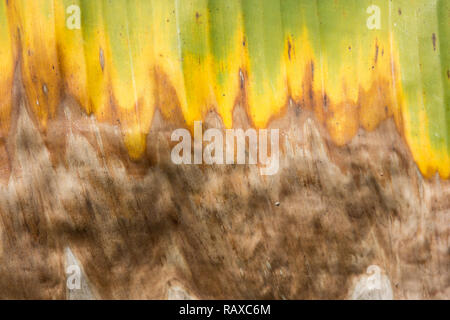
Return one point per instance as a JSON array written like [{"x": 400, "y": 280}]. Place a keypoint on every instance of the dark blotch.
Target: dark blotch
[
  {"x": 325, "y": 101},
  {"x": 434, "y": 41},
  {"x": 376, "y": 52},
  {"x": 289, "y": 49}
]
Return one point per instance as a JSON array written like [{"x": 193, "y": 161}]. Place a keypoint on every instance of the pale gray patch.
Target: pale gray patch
[
  {"x": 373, "y": 286},
  {"x": 102, "y": 59},
  {"x": 177, "y": 293},
  {"x": 84, "y": 291}
]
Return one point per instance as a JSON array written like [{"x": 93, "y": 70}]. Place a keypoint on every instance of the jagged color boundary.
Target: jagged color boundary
[{"x": 187, "y": 57}]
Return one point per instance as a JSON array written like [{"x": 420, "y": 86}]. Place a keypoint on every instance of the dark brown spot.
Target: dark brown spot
[
  {"x": 376, "y": 53},
  {"x": 311, "y": 95},
  {"x": 325, "y": 101},
  {"x": 399, "y": 11},
  {"x": 433, "y": 37},
  {"x": 289, "y": 49}
]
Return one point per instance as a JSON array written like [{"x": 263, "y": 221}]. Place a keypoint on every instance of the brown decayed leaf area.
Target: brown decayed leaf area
[{"x": 142, "y": 228}]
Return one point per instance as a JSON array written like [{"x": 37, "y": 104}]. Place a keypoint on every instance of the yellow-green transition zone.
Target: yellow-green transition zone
[{"x": 353, "y": 63}]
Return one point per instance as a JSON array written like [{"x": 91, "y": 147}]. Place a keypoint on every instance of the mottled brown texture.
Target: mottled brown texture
[{"x": 146, "y": 229}]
